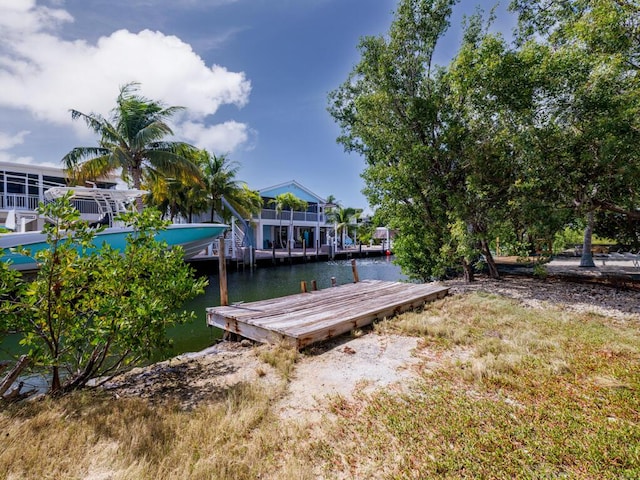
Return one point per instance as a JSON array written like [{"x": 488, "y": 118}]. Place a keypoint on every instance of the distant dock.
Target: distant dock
[
  {"x": 306, "y": 318},
  {"x": 270, "y": 258}
]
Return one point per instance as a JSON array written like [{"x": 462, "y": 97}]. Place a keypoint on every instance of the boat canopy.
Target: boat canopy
[
  {"x": 110, "y": 202},
  {"x": 85, "y": 193}
]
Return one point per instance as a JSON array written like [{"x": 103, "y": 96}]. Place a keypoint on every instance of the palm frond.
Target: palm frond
[
  {"x": 94, "y": 121},
  {"x": 92, "y": 169}
]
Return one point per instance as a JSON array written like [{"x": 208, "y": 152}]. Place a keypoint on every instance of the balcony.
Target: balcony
[
  {"x": 18, "y": 201},
  {"x": 23, "y": 202},
  {"x": 285, "y": 216}
]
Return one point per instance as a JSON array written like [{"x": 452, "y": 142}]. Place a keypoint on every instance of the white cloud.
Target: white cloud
[
  {"x": 221, "y": 138},
  {"x": 47, "y": 76},
  {"x": 8, "y": 141},
  {"x": 7, "y": 157},
  {"x": 24, "y": 17}
]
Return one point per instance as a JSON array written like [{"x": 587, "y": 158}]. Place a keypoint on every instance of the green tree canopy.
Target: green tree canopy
[
  {"x": 343, "y": 217},
  {"x": 219, "y": 174},
  {"x": 133, "y": 141},
  {"x": 428, "y": 164},
  {"x": 523, "y": 138},
  {"x": 586, "y": 139}
]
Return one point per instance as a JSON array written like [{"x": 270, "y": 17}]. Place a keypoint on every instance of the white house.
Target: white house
[
  {"x": 277, "y": 227},
  {"x": 22, "y": 187}
]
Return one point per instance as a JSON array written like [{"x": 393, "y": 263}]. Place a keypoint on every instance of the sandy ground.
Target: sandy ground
[
  {"x": 349, "y": 364},
  {"x": 346, "y": 366}
]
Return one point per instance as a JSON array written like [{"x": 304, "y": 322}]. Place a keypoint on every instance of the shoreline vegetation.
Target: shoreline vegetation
[{"x": 520, "y": 378}]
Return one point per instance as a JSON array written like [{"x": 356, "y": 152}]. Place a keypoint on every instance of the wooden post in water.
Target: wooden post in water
[
  {"x": 314, "y": 285},
  {"x": 354, "y": 269},
  {"x": 333, "y": 282},
  {"x": 222, "y": 270},
  {"x": 303, "y": 286}
]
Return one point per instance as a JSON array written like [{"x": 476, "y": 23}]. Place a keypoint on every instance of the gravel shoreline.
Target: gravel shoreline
[{"x": 604, "y": 300}]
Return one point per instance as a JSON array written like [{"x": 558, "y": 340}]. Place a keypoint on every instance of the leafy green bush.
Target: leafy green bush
[{"x": 92, "y": 310}]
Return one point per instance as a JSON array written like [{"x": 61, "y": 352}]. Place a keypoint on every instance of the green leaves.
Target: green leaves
[
  {"x": 91, "y": 312},
  {"x": 515, "y": 141},
  {"x": 132, "y": 140}
]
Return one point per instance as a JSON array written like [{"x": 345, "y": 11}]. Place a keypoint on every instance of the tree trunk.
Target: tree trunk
[
  {"x": 468, "y": 271},
  {"x": 491, "y": 263},
  {"x": 290, "y": 242},
  {"x": 136, "y": 176},
  {"x": 587, "y": 258},
  {"x": 55, "y": 380}
]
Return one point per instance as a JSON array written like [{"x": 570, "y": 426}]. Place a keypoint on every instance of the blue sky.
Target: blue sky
[{"x": 253, "y": 74}]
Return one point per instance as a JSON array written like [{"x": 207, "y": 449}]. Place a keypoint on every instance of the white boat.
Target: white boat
[{"x": 103, "y": 206}]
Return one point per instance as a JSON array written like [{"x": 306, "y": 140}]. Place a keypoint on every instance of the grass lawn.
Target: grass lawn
[{"x": 504, "y": 391}]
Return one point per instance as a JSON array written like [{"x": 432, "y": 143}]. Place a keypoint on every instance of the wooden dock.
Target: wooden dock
[{"x": 306, "y": 318}]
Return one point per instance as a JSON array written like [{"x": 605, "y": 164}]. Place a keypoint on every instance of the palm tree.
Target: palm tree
[
  {"x": 287, "y": 201},
  {"x": 342, "y": 218},
  {"x": 250, "y": 200},
  {"x": 219, "y": 174},
  {"x": 133, "y": 141},
  {"x": 174, "y": 196}
]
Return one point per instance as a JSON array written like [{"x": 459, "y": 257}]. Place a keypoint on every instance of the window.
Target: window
[
  {"x": 48, "y": 181},
  {"x": 16, "y": 183}
]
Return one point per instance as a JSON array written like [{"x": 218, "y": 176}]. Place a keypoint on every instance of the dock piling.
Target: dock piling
[{"x": 354, "y": 269}]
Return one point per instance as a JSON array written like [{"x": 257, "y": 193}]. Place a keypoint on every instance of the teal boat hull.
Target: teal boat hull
[{"x": 192, "y": 237}]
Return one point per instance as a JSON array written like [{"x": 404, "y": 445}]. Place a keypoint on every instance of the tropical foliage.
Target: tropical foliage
[
  {"x": 219, "y": 174},
  {"x": 344, "y": 219},
  {"x": 133, "y": 141},
  {"x": 183, "y": 197},
  {"x": 90, "y": 311},
  {"x": 516, "y": 141}
]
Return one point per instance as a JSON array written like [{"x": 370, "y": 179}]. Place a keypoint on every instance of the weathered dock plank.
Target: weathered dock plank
[{"x": 306, "y": 318}]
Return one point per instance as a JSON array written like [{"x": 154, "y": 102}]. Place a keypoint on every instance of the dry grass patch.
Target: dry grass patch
[
  {"x": 542, "y": 394},
  {"x": 92, "y": 436},
  {"x": 282, "y": 357}
]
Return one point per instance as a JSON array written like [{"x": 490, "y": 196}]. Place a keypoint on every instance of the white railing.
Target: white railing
[
  {"x": 268, "y": 214},
  {"x": 17, "y": 201}
]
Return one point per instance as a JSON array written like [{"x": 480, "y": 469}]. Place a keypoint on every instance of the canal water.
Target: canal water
[{"x": 258, "y": 284}]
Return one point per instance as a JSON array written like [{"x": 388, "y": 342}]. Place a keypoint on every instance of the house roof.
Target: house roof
[
  {"x": 32, "y": 168},
  {"x": 295, "y": 188},
  {"x": 28, "y": 168}
]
